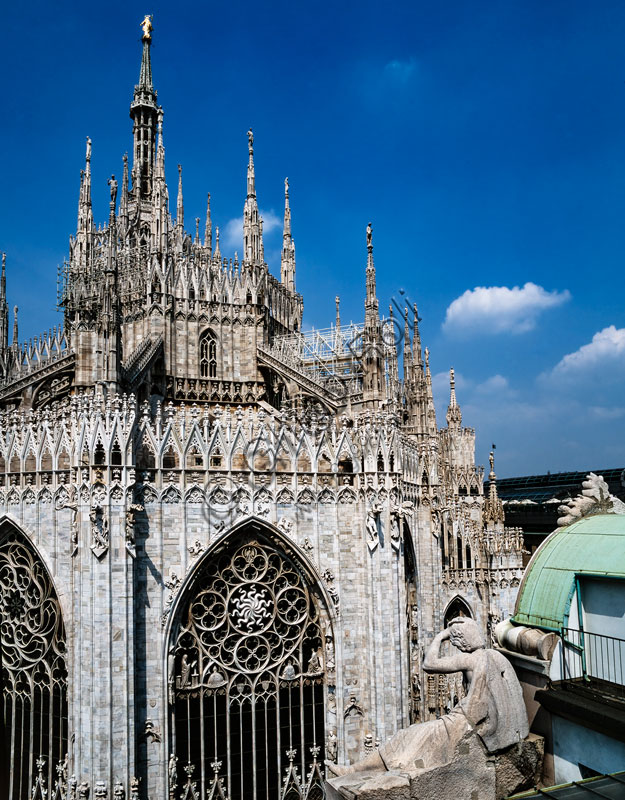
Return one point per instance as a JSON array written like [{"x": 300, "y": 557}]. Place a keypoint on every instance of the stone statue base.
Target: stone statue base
[{"x": 473, "y": 774}]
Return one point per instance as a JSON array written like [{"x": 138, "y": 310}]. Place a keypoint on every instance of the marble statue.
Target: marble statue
[{"x": 493, "y": 707}]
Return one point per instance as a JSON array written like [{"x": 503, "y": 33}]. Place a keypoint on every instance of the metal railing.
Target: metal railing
[{"x": 594, "y": 659}]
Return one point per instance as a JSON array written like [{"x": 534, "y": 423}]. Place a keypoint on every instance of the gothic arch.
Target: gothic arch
[
  {"x": 34, "y": 669},
  {"x": 457, "y": 607},
  {"x": 246, "y": 666}
]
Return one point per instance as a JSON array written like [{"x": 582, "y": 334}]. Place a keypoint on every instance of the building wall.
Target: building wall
[{"x": 575, "y": 745}]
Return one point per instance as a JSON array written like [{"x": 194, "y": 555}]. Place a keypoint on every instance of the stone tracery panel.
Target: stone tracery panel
[
  {"x": 34, "y": 672},
  {"x": 247, "y": 676}
]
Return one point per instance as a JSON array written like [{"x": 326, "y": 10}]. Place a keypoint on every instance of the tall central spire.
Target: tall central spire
[{"x": 144, "y": 114}]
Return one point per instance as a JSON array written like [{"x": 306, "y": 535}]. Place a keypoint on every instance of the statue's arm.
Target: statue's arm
[{"x": 434, "y": 662}]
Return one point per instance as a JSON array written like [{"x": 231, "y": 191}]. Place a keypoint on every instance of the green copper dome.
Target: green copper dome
[{"x": 593, "y": 546}]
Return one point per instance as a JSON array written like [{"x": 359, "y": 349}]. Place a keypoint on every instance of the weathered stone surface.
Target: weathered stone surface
[
  {"x": 473, "y": 774},
  {"x": 519, "y": 767}
]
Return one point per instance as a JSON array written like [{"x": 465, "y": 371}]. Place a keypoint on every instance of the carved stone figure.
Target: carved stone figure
[
  {"x": 332, "y": 746},
  {"x": 151, "y": 731},
  {"x": 595, "y": 498},
  {"x": 216, "y": 678},
  {"x": 493, "y": 708},
  {"x": 372, "y": 526},
  {"x": 172, "y": 771},
  {"x": 315, "y": 665},
  {"x": 99, "y": 531},
  {"x": 113, "y": 185},
  {"x": 288, "y": 673}
]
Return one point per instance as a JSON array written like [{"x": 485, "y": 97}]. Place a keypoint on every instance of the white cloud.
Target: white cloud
[
  {"x": 606, "y": 349},
  {"x": 607, "y": 412},
  {"x": 498, "y": 309},
  {"x": 496, "y": 383},
  {"x": 231, "y": 235}
]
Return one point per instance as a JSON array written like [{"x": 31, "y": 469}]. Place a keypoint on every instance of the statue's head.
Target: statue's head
[{"x": 465, "y": 634}]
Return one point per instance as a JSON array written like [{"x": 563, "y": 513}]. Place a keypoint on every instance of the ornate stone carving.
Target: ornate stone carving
[
  {"x": 595, "y": 498},
  {"x": 332, "y": 746},
  {"x": 373, "y": 517},
  {"x": 100, "y": 537},
  {"x": 353, "y": 707},
  {"x": 151, "y": 732},
  {"x": 119, "y": 793},
  {"x": 492, "y": 710},
  {"x": 130, "y": 520},
  {"x": 328, "y": 577}
]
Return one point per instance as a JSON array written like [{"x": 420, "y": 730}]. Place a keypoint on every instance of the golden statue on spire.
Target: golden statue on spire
[{"x": 147, "y": 26}]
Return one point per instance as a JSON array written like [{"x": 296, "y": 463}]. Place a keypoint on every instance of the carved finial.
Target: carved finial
[
  {"x": 217, "y": 250},
  {"x": 286, "y": 187},
  {"x": 369, "y": 236},
  {"x": 147, "y": 27},
  {"x": 452, "y": 388},
  {"x": 88, "y": 155},
  {"x": 491, "y": 459},
  {"x": 250, "y": 141}
]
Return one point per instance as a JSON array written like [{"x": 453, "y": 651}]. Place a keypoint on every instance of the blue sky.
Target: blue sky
[{"x": 484, "y": 141}]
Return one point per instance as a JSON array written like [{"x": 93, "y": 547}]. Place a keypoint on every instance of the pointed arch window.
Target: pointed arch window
[
  {"x": 208, "y": 355},
  {"x": 247, "y": 668},
  {"x": 34, "y": 671}
]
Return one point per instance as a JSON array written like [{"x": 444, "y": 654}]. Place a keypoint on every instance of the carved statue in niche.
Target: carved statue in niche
[
  {"x": 99, "y": 530},
  {"x": 373, "y": 536},
  {"x": 315, "y": 664},
  {"x": 332, "y": 746},
  {"x": 493, "y": 708}
]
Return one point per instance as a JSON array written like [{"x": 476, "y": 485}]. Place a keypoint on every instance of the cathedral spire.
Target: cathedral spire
[
  {"x": 144, "y": 112},
  {"x": 407, "y": 348},
  {"x": 493, "y": 514},
  {"x": 371, "y": 302},
  {"x": 145, "y": 74},
  {"x": 123, "y": 203},
  {"x": 217, "y": 250},
  {"x": 416, "y": 337},
  {"x": 4, "y": 308},
  {"x": 160, "y": 147},
  {"x": 251, "y": 218},
  {"x": 373, "y": 350},
  {"x": 85, "y": 213},
  {"x": 287, "y": 265},
  {"x": 337, "y": 300},
  {"x": 180, "y": 203},
  {"x": 15, "y": 329},
  {"x": 251, "y": 177},
  {"x": 208, "y": 228},
  {"x": 454, "y": 415},
  {"x": 431, "y": 410},
  {"x": 84, "y": 203}
]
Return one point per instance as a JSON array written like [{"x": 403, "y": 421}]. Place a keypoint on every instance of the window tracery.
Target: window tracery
[
  {"x": 247, "y": 677},
  {"x": 208, "y": 355},
  {"x": 34, "y": 673}
]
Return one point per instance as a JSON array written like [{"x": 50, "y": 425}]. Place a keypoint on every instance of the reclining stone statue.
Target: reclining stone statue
[{"x": 492, "y": 709}]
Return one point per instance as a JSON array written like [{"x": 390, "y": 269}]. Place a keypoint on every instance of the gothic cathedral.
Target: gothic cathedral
[{"x": 224, "y": 542}]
